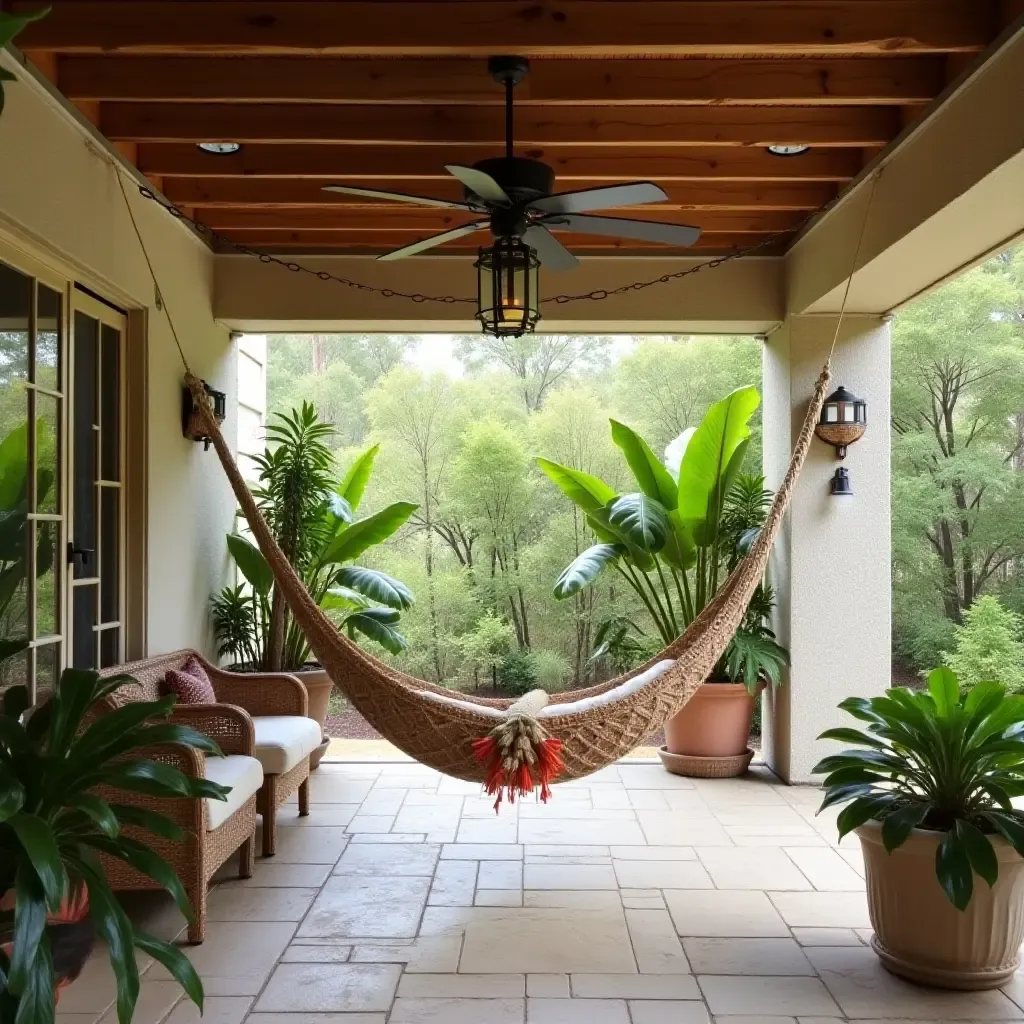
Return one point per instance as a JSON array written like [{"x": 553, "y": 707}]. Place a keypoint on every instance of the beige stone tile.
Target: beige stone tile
[
  {"x": 425, "y": 818},
  {"x": 725, "y": 793},
  {"x": 385, "y": 802},
  {"x": 482, "y": 806},
  {"x": 458, "y": 787},
  {"x": 864, "y": 989},
  {"x": 568, "y": 876},
  {"x": 725, "y": 1018},
  {"x": 735, "y": 994},
  {"x": 634, "y": 986},
  {"x": 242, "y": 904},
  {"x": 236, "y": 958},
  {"x": 746, "y": 956},
  {"x": 370, "y": 823},
  {"x": 389, "y": 838},
  {"x": 155, "y": 1002},
  {"x": 653, "y": 853},
  {"x": 435, "y": 954},
  {"x": 317, "y": 1018},
  {"x": 442, "y": 835},
  {"x": 537, "y": 940},
  {"x": 319, "y": 816},
  {"x": 655, "y": 943},
  {"x": 854, "y": 857},
  {"x": 216, "y": 1010},
  {"x": 643, "y": 902},
  {"x": 581, "y": 832},
  {"x": 822, "y": 909},
  {"x": 650, "y": 776},
  {"x": 687, "y": 803},
  {"x": 574, "y": 811},
  {"x": 457, "y": 1011},
  {"x": 462, "y": 986},
  {"x": 338, "y": 988},
  {"x": 783, "y": 839},
  {"x": 772, "y": 814},
  {"x": 304, "y": 846},
  {"x": 156, "y": 913},
  {"x": 613, "y": 796},
  {"x": 576, "y": 899},
  {"x": 482, "y": 851},
  {"x": 865, "y": 935},
  {"x": 826, "y": 869},
  {"x": 367, "y": 907},
  {"x": 667, "y": 1011},
  {"x": 94, "y": 989},
  {"x": 268, "y": 874},
  {"x": 301, "y": 954},
  {"x": 567, "y": 853},
  {"x": 455, "y": 920},
  {"x": 724, "y": 913},
  {"x": 576, "y": 1011},
  {"x": 627, "y": 890},
  {"x": 74, "y": 1018},
  {"x": 826, "y": 936},
  {"x": 669, "y": 827},
  {"x": 498, "y": 898},
  {"x": 454, "y": 884},
  {"x": 752, "y": 869},
  {"x": 768, "y": 831},
  {"x": 500, "y": 874},
  {"x": 662, "y": 874},
  {"x": 396, "y": 859},
  {"x": 547, "y": 986},
  {"x": 337, "y": 789},
  {"x": 488, "y": 830}
]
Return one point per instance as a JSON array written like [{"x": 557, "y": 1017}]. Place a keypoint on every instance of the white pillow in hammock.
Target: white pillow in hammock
[{"x": 575, "y": 707}]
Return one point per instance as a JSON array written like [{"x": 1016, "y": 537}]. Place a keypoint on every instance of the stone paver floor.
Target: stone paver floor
[{"x": 635, "y": 897}]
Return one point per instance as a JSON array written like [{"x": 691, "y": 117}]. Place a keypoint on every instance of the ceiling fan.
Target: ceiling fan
[{"x": 515, "y": 195}]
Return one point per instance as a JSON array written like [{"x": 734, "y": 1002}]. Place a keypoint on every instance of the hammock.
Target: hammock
[{"x": 517, "y": 745}]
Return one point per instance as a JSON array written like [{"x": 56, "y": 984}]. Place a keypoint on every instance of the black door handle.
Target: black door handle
[{"x": 79, "y": 556}]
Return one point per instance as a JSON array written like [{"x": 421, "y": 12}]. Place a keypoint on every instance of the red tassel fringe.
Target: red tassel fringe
[{"x": 522, "y": 781}]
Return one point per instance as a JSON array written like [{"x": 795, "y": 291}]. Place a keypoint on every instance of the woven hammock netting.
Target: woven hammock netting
[{"x": 441, "y": 734}]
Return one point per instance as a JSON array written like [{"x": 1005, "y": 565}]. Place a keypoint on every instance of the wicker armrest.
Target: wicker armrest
[
  {"x": 230, "y": 727},
  {"x": 260, "y": 693}
]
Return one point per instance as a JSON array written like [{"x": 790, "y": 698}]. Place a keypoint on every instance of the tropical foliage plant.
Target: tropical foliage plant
[
  {"x": 53, "y": 823},
  {"x": 313, "y": 519},
  {"x": 938, "y": 760},
  {"x": 675, "y": 539},
  {"x": 10, "y": 26}
]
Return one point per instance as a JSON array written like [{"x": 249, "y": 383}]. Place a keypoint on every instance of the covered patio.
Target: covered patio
[{"x": 635, "y": 897}]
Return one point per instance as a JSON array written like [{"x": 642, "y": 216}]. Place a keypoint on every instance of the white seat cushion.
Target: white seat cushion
[
  {"x": 242, "y": 773},
  {"x": 282, "y": 741}
]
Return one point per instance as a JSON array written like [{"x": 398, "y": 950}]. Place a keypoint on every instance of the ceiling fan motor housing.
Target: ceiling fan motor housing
[{"x": 522, "y": 179}]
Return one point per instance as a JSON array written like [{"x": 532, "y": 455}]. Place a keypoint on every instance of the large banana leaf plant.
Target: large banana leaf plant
[
  {"x": 53, "y": 824},
  {"x": 676, "y": 537},
  {"x": 314, "y": 521}
]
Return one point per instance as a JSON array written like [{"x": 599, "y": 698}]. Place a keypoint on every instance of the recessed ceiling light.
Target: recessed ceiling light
[
  {"x": 780, "y": 150},
  {"x": 220, "y": 148}
]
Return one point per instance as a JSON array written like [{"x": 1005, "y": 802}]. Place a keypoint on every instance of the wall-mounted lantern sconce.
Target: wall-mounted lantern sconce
[
  {"x": 191, "y": 424},
  {"x": 843, "y": 420}
]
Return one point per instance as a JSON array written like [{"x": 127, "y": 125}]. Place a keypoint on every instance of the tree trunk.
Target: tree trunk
[{"x": 275, "y": 642}]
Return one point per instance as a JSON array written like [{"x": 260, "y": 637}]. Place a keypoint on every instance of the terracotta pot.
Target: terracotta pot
[
  {"x": 319, "y": 687},
  {"x": 920, "y": 935},
  {"x": 715, "y": 722}
]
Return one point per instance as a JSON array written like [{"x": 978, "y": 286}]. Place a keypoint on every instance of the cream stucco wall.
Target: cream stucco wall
[{"x": 59, "y": 200}]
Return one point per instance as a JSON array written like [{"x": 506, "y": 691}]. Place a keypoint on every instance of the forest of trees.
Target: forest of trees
[{"x": 492, "y": 534}]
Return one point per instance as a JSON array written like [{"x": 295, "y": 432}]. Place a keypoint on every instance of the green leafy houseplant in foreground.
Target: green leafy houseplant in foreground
[
  {"x": 53, "y": 824},
  {"x": 313, "y": 520},
  {"x": 939, "y": 761}
]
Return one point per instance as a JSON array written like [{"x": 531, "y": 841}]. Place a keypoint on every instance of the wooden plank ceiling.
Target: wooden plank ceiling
[{"x": 688, "y": 94}]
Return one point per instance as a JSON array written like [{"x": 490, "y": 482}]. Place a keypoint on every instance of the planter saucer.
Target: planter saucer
[
  {"x": 705, "y": 767},
  {"x": 314, "y": 758}
]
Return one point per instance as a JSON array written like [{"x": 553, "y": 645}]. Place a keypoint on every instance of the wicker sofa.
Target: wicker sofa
[{"x": 275, "y": 705}]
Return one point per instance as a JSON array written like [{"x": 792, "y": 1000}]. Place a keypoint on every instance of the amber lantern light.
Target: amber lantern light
[{"x": 508, "y": 300}]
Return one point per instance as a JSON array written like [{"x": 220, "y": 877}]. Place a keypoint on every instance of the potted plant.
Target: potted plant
[
  {"x": 929, "y": 791},
  {"x": 54, "y": 824},
  {"x": 674, "y": 541},
  {"x": 313, "y": 520}
]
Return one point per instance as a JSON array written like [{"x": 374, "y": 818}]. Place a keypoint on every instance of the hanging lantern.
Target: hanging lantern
[
  {"x": 843, "y": 420},
  {"x": 508, "y": 299},
  {"x": 191, "y": 422}
]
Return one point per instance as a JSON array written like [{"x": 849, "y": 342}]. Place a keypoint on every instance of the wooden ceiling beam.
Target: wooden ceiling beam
[
  {"x": 271, "y": 194},
  {"x": 648, "y": 28},
  {"x": 898, "y": 81},
  {"x": 356, "y": 164},
  {"x": 469, "y": 126},
  {"x": 406, "y": 220}
]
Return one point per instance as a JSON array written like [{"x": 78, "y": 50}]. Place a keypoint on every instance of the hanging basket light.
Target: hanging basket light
[
  {"x": 843, "y": 420},
  {"x": 508, "y": 295}
]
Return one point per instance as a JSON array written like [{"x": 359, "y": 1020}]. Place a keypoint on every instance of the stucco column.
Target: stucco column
[{"x": 831, "y": 564}]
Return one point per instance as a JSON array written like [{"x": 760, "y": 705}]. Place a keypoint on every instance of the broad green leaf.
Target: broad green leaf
[
  {"x": 640, "y": 521},
  {"x": 945, "y": 690},
  {"x": 38, "y": 841},
  {"x": 953, "y": 869},
  {"x": 898, "y": 825},
  {"x": 251, "y": 563},
  {"x": 860, "y": 811},
  {"x": 12, "y": 24},
  {"x": 12, "y": 793},
  {"x": 29, "y": 924},
  {"x": 175, "y": 963},
  {"x": 654, "y": 479},
  {"x": 585, "y": 568},
  {"x": 98, "y": 810},
  {"x": 343, "y": 599},
  {"x": 838, "y": 794},
  {"x": 679, "y": 550},
  {"x": 1009, "y": 826},
  {"x": 979, "y": 851},
  {"x": 365, "y": 533},
  {"x": 845, "y": 735},
  {"x": 377, "y": 586},
  {"x": 13, "y": 460},
  {"x": 377, "y": 628},
  {"x": 581, "y": 488},
  {"x": 36, "y": 1003},
  {"x": 149, "y": 821},
  {"x": 358, "y": 476}
]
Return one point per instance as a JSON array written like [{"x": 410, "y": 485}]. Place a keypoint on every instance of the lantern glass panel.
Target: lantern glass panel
[
  {"x": 831, "y": 414},
  {"x": 847, "y": 413}
]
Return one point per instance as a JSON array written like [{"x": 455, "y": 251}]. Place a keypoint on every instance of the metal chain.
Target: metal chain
[{"x": 392, "y": 293}]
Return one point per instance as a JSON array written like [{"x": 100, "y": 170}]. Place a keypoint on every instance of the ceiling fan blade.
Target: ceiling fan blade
[
  {"x": 398, "y": 197},
  {"x": 621, "y": 227},
  {"x": 550, "y": 251},
  {"x": 479, "y": 183},
  {"x": 633, "y": 193},
  {"x": 428, "y": 243}
]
